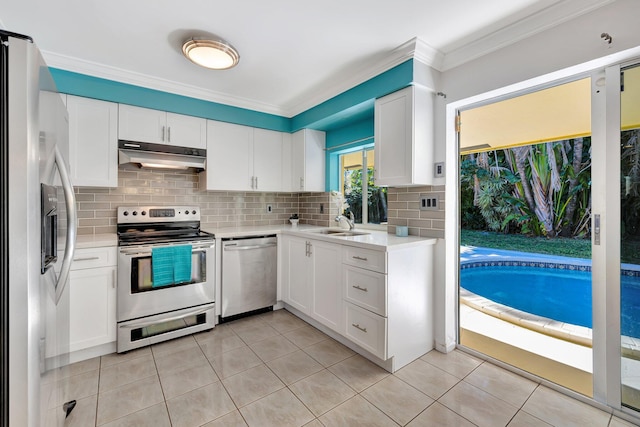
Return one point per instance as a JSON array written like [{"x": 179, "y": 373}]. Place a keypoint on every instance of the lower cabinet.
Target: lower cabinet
[
  {"x": 295, "y": 273},
  {"x": 326, "y": 284},
  {"x": 311, "y": 283},
  {"x": 88, "y": 304},
  {"x": 379, "y": 300},
  {"x": 92, "y": 302}
]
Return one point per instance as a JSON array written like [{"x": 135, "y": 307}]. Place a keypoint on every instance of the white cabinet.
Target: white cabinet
[
  {"x": 404, "y": 137},
  {"x": 296, "y": 285},
  {"x": 311, "y": 283},
  {"x": 92, "y": 298},
  {"x": 379, "y": 301},
  {"x": 229, "y": 148},
  {"x": 93, "y": 142},
  {"x": 326, "y": 284},
  {"x": 160, "y": 127},
  {"x": 242, "y": 158},
  {"x": 308, "y": 161},
  {"x": 267, "y": 160},
  {"x": 388, "y": 304},
  {"x": 89, "y": 301}
]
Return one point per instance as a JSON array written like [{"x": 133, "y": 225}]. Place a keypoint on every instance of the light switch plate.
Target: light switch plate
[{"x": 438, "y": 170}]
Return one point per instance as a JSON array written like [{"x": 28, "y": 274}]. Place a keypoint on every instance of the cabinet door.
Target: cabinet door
[
  {"x": 92, "y": 302},
  {"x": 314, "y": 159},
  {"x": 287, "y": 176},
  {"x": 404, "y": 137},
  {"x": 297, "y": 161},
  {"x": 229, "y": 150},
  {"x": 93, "y": 142},
  {"x": 393, "y": 138},
  {"x": 295, "y": 278},
  {"x": 267, "y": 160},
  {"x": 308, "y": 160},
  {"x": 186, "y": 131},
  {"x": 326, "y": 288},
  {"x": 141, "y": 124}
]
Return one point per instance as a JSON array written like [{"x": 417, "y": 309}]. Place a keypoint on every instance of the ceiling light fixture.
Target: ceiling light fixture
[{"x": 216, "y": 54}]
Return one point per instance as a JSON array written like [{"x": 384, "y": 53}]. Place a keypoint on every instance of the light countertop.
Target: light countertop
[{"x": 373, "y": 239}]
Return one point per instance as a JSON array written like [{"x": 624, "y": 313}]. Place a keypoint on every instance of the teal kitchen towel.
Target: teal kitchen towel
[
  {"x": 182, "y": 263},
  {"x": 162, "y": 266}
]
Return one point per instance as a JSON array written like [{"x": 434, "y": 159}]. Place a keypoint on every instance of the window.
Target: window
[{"x": 367, "y": 202}]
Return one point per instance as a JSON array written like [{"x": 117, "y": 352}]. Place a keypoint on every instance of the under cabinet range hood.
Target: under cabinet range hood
[{"x": 161, "y": 156}]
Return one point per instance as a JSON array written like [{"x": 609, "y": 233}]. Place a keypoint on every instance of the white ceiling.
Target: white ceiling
[{"x": 294, "y": 54}]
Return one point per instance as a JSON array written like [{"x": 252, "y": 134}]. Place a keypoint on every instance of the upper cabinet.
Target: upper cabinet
[
  {"x": 93, "y": 142},
  {"x": 308, "y": 161},
  {"x": 404, "y": 138},
  {"x": 242, "y": 158},
  {"x": 160, "y": 127}
]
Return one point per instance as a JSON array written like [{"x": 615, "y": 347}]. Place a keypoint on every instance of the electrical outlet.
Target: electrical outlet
[
  {"x": 269, "y": 209},
  {"x": 438, "y": 170},
  {"x": 429, "y": 202}
]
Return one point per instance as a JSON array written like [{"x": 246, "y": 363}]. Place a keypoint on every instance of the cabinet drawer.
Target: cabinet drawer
[
  {"x": 94, "y": 257},
  {"x": 367, "y": 289},
  {"x": 366, "y": 329},
  {"x": 365, "y": 258}
]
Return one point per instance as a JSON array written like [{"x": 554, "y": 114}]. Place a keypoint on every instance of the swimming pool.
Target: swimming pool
[{"x": 554, "y": 291}]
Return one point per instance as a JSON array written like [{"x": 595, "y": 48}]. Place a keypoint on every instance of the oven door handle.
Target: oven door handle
[
  {"x": 182, "y": 315},
  {"x": 137, "y": 253}
]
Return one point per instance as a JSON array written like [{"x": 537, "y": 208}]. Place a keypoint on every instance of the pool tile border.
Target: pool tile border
[{"x": 538, "y": 264}]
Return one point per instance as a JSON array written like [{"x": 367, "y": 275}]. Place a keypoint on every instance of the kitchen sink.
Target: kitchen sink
[{"x": 338, "y": 232}]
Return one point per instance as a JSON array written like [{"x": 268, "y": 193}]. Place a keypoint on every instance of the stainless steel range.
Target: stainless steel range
[{"x": 166, "y": 267}]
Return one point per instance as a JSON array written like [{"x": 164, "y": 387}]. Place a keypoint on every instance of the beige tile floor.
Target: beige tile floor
[{"x": 275, "y": 370}]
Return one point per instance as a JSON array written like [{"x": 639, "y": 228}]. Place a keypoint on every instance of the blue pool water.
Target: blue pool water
[{"x": 562, "y": 295}]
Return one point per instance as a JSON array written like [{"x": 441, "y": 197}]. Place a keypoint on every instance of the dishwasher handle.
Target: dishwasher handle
[{"x": 232, "y": 247}]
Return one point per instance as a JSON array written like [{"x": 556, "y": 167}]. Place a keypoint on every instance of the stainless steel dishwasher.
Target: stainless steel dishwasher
[{"x": 249, "y": 267}]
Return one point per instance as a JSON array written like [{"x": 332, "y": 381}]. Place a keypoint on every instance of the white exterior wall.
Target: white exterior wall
[{"x": 571, "y": 48}]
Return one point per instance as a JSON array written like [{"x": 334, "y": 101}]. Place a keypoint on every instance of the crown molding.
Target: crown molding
[
  {"x": 412, "y": 49},
  {"x": 120, "y": 75},
  {"x": 547, "y": 18}
]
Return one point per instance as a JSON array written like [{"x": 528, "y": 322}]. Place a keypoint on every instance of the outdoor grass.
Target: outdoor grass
[{"x": 576, "y": 248}]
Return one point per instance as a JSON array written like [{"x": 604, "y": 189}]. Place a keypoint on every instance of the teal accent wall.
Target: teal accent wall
[
  {"x": 109, "y": 90},
  {"x": 391, "y": 80}
]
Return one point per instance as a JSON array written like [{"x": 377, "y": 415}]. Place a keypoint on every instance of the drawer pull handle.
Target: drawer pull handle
[
  {"x": 359, "y": 288},
  {"x": 359, "y": 258},
  {"x": 91, "y": 258},
  {"x": 357, "y": 326}
]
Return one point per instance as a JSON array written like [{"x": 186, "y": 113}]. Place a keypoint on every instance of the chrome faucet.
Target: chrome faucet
[{"x": 351, "y": 220}]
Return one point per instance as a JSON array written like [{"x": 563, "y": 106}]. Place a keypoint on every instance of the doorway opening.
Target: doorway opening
[{"x": 525, "y": 219}]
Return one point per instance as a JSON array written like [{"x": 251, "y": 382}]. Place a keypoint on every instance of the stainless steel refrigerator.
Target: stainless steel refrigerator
[{"x": 35, "y": 186}]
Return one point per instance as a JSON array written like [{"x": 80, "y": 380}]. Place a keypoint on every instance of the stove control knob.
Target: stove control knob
[
  {"x": 143, "y": 213},
  {"x": 186, "y": 212},
  {"x": 135, "y": 213},
  {"x": 193, "y": 212},
  {"x": 125, "y": 213}
]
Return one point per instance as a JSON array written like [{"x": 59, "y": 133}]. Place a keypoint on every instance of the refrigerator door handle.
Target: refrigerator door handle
[{"x": 72, "y": 225}]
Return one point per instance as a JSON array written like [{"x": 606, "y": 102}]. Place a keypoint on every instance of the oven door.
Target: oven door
[{"x": 137, "y": 297}]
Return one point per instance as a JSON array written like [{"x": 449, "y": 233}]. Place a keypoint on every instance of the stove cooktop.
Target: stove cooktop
[{"x": 145, "y": 225}]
